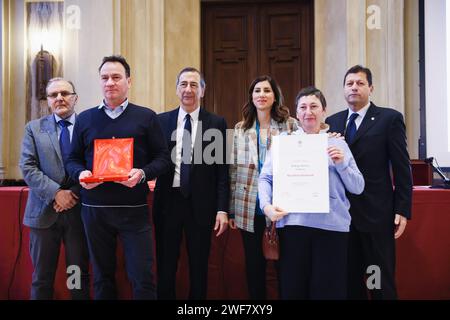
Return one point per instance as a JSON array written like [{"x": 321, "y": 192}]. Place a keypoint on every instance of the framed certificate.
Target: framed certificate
[
  {"x": 300, "y": 173},
  {"x": 113, "y": 160}
]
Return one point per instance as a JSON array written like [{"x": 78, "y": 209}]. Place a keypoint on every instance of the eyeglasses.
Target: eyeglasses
[{"x": 63, "y": 94}]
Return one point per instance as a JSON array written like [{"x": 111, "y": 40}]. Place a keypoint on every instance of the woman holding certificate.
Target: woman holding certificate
[
  {"x": 264, "y": 115},
  {"x": 313, "y": 252}
]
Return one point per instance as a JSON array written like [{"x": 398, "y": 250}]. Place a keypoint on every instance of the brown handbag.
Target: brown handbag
[{"x": 270, "y": 243}]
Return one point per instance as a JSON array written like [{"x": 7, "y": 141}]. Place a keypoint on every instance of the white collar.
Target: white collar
[
  {"x": 71, "y": 118},
  {"x": 194, "y": 114},
  {"x": 362, "y": 112},
  {"x": 323, "y": 129},
  {"x": 104, "y": 105}
]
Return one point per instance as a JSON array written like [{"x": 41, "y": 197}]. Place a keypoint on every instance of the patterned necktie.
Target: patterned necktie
[
  {"x": 351, "y": 128},
  {"x": 64, "y": 139},
  {"x": 185, "y": 166}
]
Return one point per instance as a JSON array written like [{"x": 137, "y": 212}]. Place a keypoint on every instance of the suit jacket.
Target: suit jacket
[
  {"x": 43, "y": 170},
  {"x": 379, "y": 149},
  {"x": 209, "y": 182},
  {"x": 244, "y": 170}
]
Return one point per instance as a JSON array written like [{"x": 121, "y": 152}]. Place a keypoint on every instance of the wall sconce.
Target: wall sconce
[
  {"x": 44, "y": 72},
  {"x": 45, "y": 21},
  {"x": 44, "y": 39}
]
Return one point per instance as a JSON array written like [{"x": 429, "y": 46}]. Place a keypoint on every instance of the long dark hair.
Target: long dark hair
[{"x": 279, "y": 112}]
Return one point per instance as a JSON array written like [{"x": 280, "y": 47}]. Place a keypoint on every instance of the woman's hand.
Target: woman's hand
[
  {"x": 336, "y": 154},
  {"x": 335, "y": 135},
  {"x": 274, "y": 213},
  {"x": 232, "y": 224}
]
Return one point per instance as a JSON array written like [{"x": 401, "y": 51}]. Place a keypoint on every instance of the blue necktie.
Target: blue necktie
[
  {"x": 64, "y": 139},
  {"x": 350, "y": 133},
  {"x": 185, "y": 166}
]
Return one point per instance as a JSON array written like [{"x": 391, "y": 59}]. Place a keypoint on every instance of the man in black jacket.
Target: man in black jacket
[
  {"x": 193, "y": 196},
  {"x": 377, "y": 139}
]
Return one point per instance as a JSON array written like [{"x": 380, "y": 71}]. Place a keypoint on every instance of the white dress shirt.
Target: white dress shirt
[
  {"x": 116, "y": 112},
  {"x": 362, "y": 113},
  {"x": 180, "y": 129}
]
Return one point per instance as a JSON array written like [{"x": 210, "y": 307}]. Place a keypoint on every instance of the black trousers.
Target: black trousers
[
  {"x": 103, "y": 226},
  {"x": 376, "y": 249},
  {"x": 177, "y": 219},
  {"x": 45, "y": 246},
  {"x": 255, "y": 263},
  {"x": 313, "y": 263}
]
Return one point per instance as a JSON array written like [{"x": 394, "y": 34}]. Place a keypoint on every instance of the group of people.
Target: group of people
[{"x": 322, "y": 256}]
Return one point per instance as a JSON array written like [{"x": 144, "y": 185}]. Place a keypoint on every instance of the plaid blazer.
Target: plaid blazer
[{"x": 244, "y": 170}]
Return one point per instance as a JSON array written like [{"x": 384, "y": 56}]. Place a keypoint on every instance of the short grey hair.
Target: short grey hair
[
  {"x": 56, "y": 79},
  {"x": 192, "y": 69}
]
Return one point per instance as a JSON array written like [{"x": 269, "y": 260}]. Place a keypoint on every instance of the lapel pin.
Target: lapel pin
[{"x": 372, "y": 118}]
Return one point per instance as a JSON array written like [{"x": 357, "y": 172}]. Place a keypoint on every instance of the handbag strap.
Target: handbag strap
[
  {"x": 273, "y": 227},
  {"x": 273, "y": 232}
]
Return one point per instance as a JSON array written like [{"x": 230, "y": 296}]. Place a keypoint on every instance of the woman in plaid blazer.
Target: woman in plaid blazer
[{"x": 264, "y": 115}]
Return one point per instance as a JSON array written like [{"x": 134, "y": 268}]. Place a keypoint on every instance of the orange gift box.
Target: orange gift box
[{"x": 113, "y": 160}]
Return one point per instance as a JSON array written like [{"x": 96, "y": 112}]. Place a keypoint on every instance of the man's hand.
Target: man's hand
[
  {"x": 57, "y": 208},
  {"x": 65, "y": 200},
  {"x": 221, "y": 223},
  {"x": 274, "y": 213},
  {"x": 400, "y": 223},
  {"x": 336, "y": 154},
  {"x": 335, "y": 135},
  {"x": 135, "y": 175},
  {"x": 85, "y": 174},
  {"x": 232, "y": 224}
]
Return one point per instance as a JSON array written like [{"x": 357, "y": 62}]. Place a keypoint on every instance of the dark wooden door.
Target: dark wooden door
[{"x": 243, "y": 41}]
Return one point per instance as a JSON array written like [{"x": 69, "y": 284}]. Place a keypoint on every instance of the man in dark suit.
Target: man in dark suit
[
  {"x": 193, "y": 196},
  {"x": 53, "y": 208},
  {"x": 377, "y": 139}
]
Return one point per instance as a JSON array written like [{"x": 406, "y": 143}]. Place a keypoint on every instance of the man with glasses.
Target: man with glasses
[
  {"x": 53, "y": 209},
  {"x": 119, "y": 209}
]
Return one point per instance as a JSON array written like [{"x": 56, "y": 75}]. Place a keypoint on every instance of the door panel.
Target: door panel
[
  {"x": 282, "y": 42},
  {"x": 230, "y": 87},
  {"x": 241, "y": 42},
  {"x": 229, "y": 54}
]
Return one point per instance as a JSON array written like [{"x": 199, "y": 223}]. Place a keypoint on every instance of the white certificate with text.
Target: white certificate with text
[{"x": 300, "y": 173}]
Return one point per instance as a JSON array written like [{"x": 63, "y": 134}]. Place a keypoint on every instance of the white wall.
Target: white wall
[
  {"x": 437, "y": 109},
  {"x": 85, "y": 47},
  {"x": 345, "y": 36},
  {"x": 412, "y": 78},
  {"x": 331, "y": 51},
  {"x": 14, "y": 109}
]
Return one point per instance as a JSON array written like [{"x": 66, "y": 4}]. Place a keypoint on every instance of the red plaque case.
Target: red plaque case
[{"x": 113, "y": 160}]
